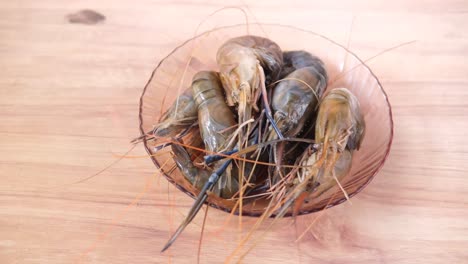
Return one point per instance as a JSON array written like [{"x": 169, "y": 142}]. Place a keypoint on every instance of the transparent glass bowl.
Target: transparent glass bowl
[{"x": 344, "y": 69}]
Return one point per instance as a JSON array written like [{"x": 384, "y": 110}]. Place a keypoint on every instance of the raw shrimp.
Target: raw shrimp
[
  {"x": 173, "y": 122},
  {"x": 296, "y": 97},
  {"x": 339, "y": 131},
  {"x": 247, "y": 65},
  {"x": 197, "y": 176},
  {"x": 214, "y": 116},
  {"x": 327, "y": 181},
  {"x": 296, "y": 59},
  {"x": 216, "y": 122}
]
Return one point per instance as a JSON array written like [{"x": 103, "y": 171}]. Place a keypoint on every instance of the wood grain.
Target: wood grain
[{"x": 69, "y": 103}]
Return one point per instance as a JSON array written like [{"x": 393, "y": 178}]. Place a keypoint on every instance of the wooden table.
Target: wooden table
[{"x": 69, "y": 106}]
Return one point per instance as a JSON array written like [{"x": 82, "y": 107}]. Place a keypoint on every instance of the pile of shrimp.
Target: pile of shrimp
[{"x": 275, "y": 134}]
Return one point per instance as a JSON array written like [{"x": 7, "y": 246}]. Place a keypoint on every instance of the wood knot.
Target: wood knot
[{"x": 85, "y": 16}]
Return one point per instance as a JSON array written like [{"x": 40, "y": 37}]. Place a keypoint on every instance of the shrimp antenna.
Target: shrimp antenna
[
  {"x": 267, "y": 105},
  {"x": 202, "y": 196}
]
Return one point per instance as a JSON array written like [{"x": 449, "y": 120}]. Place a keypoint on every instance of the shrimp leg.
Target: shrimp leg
[{"x": 263, "y": 91}]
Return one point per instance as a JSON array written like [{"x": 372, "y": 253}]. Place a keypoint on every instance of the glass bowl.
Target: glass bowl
[{"x": 344, "y": 68}]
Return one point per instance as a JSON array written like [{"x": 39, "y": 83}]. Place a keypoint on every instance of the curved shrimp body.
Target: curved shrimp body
[
  {"x": 216, "y": 121},
  {"x": 195, "y": 175},
  {"x": 246, "y": 64},
  {"x": 199, "y": 176},
  {"x": 296, "y": 97},
  {"x": 339, "y": 131},
  {"x": 340, "y": 168},
  {"x": 296, "y": 59},
  {"x": 181, "y": 115},
  {"x": 340, "y": 121}
]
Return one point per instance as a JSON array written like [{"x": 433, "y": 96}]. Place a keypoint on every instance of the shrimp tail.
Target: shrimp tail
[{"x": 202, "y": 196}]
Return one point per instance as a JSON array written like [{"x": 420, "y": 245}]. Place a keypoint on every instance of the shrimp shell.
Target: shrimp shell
[{"x": 238, "y": 59}]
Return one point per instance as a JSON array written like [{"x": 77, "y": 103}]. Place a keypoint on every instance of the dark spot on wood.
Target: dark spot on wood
[{"x": 85, "y": 16}]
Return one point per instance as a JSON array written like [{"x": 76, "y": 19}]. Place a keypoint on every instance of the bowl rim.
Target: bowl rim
[{"x": 254, "y": 214}]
